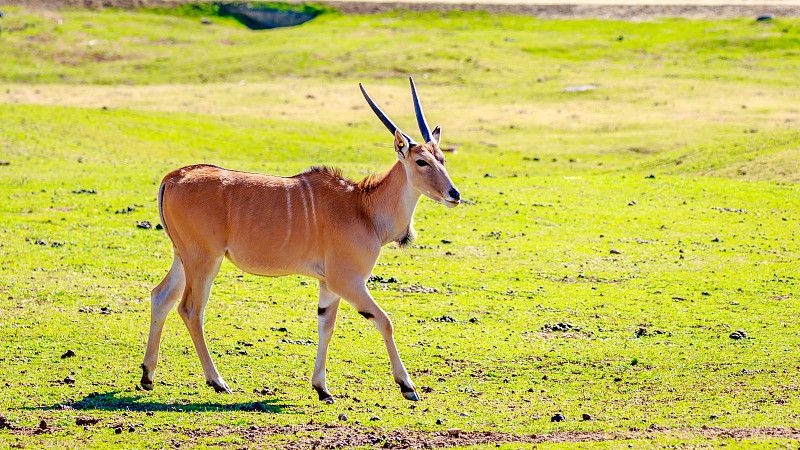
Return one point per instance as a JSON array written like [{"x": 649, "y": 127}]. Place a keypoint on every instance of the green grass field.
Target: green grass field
[{"x": 654, "y": 214}]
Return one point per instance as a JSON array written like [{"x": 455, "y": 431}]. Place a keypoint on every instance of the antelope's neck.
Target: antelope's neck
[{"x": 391, "y": 205}]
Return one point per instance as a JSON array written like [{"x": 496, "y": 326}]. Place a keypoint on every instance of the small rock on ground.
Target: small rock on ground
[{"x": 738, "y": 334}]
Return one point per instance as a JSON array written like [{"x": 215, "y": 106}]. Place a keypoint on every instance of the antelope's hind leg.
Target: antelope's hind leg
[
  {"x": 199, "y": 278},
  {"x": 162, "y": 300},
  {"x": 326, "y": 312},
  {"x": 357, "y": 294}
]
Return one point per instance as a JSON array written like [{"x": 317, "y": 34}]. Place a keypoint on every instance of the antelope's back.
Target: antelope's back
[{"x": 265, "y": 224}]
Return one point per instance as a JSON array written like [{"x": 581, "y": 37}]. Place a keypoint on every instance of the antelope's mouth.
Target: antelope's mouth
[{"x": 451, "y": 203}]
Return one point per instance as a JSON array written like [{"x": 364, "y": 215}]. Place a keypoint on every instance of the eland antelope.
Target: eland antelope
[{"x": 316, "y": 224}]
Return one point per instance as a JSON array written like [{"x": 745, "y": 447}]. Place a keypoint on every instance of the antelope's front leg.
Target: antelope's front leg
[
  {"x": 357, "y": 294},
  {"x": 326, "y": 311}
]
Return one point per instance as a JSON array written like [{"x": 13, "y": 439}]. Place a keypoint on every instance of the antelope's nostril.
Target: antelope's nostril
[{"x": 454, "y": 194}]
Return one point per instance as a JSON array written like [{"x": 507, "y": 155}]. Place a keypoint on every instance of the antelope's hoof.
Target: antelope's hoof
[
  {"x": 325, "y": 396},
  {"x": 220, "y": 386},
  {"x": 146, "y": 382},
  {"x": 411, "y": 395},
  {"x": 408, "y": 390}
]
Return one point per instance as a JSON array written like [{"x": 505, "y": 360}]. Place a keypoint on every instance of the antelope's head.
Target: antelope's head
[{"x": 424, "y": 163}]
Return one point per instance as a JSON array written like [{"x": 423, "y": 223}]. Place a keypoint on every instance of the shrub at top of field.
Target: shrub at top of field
[{"x": 254, "y": 15}]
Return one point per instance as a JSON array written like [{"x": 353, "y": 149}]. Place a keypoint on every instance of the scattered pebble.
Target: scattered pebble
[
  {"x": 205, "y": 21},
  {"x": 44, "y": 243},
  {"x": 117, "y": 430},
  {"x": 267, "y": 391},
  {"x": 68, "y": 354},
  {"x": 145, "y": 225},
  {"x": 454, "y": 432},
  {"x": 86, "y": 420},
  {"x": 558, "y": 418},
  {"x": 43, "y": 425},
  {"x": 417, "y": 289},
  {"x": 765, "y": 18},
  {"x": 5, "y": 423},
  {"x": 633, "y": 203},
  {"x": 131, "y": 429},
  {"x": 560, "y": 326},
  {"x": 463, "y": 414},
  {"x": 738, "y": 334},
  {"x": 713, "y": 416},
  {"x": 614, "y": 251},
  {"x": 5, "y": 163},
  {"x": 585, "y": 416},
  {"x": 69, "y": 380},
  {"x": 281, "y": 329},
  {"x": 343, "y": 417},
  {"x": 444, "y": 319},
  {"x": 298, "y": 341},
  {"x": 84, "y": 191},
  {"x": 439, "y": 422},
  {"x": 127, "y": 210},
  {"x": 374, "y": 419},
  {"x": 380, "y": 279},
  {"x": 733, "y": 210}
]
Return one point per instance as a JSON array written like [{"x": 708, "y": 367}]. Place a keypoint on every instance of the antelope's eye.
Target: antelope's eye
[{"x": 422, "y": 163}]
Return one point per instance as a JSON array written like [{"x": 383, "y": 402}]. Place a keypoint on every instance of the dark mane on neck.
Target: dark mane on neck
[{"x": 365, "y": 186}]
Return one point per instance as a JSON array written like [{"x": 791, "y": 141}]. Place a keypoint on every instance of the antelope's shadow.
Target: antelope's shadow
[{"x": 123, "y": 401}]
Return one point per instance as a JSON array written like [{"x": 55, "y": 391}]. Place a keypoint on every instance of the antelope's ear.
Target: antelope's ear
[
  {"x": 437, "y": 135},
  {"x": 400, "y": 144}
]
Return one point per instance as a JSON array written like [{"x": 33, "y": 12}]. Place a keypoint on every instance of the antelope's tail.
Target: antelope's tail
[{"x": 161, "y": 207}]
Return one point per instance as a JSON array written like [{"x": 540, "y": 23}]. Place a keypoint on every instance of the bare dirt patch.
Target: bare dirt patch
[
  {"x": 624, "y": 12},
  {"x": 330, "y": 436},
  {"x": 647, "y": 9}
]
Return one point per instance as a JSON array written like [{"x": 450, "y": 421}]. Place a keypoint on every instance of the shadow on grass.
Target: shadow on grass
[{"x": 118, "y": 401}]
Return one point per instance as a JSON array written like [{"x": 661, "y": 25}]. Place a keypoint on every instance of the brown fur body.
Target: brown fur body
[{"x": 277, "y": 226}]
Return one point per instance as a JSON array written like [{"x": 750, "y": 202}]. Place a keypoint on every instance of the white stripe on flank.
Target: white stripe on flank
[
  {"x": 305, "y": 205},
  {"x": 288, "y": 215},
  {"x": 311, "y": 196}
]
